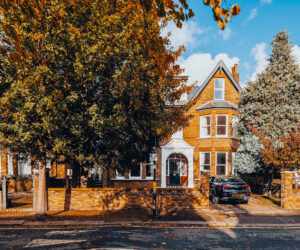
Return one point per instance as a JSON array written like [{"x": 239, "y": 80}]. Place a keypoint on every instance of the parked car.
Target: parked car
[{"x": 231, "y": 188}]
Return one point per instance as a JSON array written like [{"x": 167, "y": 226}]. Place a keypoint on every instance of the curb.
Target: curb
[{"x": 68, "y": 223}]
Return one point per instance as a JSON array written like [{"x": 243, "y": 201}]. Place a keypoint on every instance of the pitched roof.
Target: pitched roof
[
  {"x": 217, "y": 104},
  {"x": 220, "y": 66}
]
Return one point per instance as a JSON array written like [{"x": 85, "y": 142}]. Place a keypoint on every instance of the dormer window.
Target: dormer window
[{"x": 219, "y": 91}]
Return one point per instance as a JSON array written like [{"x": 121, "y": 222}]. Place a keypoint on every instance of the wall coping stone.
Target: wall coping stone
[{"x": 124, "y": 189}]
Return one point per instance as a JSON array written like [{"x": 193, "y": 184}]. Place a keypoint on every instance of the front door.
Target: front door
[{"x": 174, "y": 172}]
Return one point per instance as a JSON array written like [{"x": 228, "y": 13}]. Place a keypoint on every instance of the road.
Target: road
[{"x": 154, "y": 238}]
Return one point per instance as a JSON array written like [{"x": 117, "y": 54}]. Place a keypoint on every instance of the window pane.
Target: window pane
[
  {"x": 219, "y": 83},
  {"x": 205, "y": 121},
  {"x": 183, "y": 168},
  {"x": 204, "y": 132},
  {"x": 205, "y": 126},
  {"x": 220, "y": 170},
  {"x": 221, "y": 120},
  {"x": 206, "y": 167},
  {"x": 221, "y": 158},
  {"x": 136, "y": 171},
  {"x": 206, "y": 158},
  {"x": 149, "y": 170},
  {"x": 219, "y": 94},
  {"x": 221, "y": 130}
]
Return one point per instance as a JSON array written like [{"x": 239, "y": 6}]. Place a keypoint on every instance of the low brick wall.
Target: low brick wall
[
  {"x": 290, "y": 198},
  {"x": 121, "y": 198}
]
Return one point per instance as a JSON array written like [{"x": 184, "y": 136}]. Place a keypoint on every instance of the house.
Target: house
[{"x": 207, "y": 144}]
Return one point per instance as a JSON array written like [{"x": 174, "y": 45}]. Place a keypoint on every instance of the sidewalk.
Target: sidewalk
[{"x": 140, "y": 218}]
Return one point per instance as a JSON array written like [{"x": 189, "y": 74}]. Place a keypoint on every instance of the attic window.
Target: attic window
[{"x": 219, "y": 91}]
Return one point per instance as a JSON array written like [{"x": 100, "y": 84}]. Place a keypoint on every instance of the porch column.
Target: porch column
[
  {"x": 191, "y": 170},
  {"x": 163, "y": 169}
]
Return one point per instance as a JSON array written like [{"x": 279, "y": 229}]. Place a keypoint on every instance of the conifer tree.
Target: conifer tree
[{"x": 271, "y": 104}]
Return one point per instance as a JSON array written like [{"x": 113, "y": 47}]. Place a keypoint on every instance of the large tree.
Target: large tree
[
  {"x": 88, "y": 80},
  {"x": 271, "y": 104}
]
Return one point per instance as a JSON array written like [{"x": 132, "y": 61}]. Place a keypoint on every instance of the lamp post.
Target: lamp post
[{"x": 153, "y": 159}]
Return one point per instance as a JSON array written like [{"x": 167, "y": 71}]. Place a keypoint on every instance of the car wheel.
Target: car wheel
[
  {"x": 215, "y": 199},
  {"x": 246, "y": 201}
]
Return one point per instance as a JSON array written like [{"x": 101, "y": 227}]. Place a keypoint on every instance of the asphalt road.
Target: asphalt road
[{"x": 154, "y": 238}]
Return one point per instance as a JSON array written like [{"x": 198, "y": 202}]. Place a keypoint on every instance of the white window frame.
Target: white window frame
[
  {"x": 201, "y": 126},
  {"x": 201, "y": 166},
  {"x": 136, "y": 177},
  {"x": 233, "y": 125},
  {"x": 223, "y": 89},
  {"x": 226, "y": 135},
  {"x": 226, "y": 162},
  {"x": 233, "y": 154}
]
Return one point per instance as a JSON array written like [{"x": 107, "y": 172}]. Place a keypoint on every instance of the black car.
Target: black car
[{"x": 231, "y": 188}]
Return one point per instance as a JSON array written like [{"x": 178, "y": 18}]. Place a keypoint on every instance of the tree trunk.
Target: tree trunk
[{"x": 42, "y": 199}]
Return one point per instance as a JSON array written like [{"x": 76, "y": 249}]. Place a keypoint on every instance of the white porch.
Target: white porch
[{"x": 177, "y": 146}]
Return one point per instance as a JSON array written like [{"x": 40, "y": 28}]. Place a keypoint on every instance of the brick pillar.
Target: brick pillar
[
  {"x": 15, "y": 164},
  {"x": 286, "y": 189},
  {"x": 3, "y": 203},
  {"x": 35, "y": 181},
  {"x": 4, "y": 164},
  {"x": 204, "y": 188}
]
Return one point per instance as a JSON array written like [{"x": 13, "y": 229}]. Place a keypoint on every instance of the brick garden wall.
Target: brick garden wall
[
  {"x": 290, "y": 198},
  {"x": 124, "y": 198}
]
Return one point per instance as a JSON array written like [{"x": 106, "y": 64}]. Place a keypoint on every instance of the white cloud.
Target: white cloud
[
  {"x": 260, "y": 56},
  {"x": 253, "y": 14},
  {"x": 185, "y": 36},
  {"x": 246, "y": 65},
  {"x": 266, "y": 1},
  {"x": 225, "y": 33},
  {"x": 296, "y": 53},
  {"x": 199, "y": 66}
]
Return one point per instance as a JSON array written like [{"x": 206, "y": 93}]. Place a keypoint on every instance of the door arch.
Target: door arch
[{"x": 177, "y": 170}]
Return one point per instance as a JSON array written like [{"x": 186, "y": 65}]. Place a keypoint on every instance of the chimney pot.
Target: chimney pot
[{"x": 236, "y": 75}]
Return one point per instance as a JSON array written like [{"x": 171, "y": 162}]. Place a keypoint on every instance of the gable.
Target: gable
[{"x": 219, "y": 70}]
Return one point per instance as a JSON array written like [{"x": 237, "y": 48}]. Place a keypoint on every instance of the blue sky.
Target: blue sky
[{"x": 245, "y": 41}]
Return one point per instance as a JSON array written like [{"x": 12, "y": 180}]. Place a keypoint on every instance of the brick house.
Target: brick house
[{"x": 207, "y": 144}]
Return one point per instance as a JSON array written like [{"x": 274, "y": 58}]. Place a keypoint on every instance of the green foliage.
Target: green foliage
[
  {"x": 271, "y": 104},
  {"x": 77, "y": 81}
]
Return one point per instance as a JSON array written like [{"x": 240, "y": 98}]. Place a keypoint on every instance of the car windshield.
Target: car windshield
[{"x": 232, "y": 179}]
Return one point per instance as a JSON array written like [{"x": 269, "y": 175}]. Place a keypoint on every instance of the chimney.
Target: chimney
[{"x": 236, "y": 75}]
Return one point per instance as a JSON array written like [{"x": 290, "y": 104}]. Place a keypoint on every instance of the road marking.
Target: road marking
[
  {"x": 49, "y": 242},
  {"x": 70, "y": 232}
]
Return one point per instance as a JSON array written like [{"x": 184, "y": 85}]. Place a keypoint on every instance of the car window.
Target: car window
[{"x": 236, "y": 179}]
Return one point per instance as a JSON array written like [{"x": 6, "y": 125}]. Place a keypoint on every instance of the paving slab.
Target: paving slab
[
  {"x": 11, "y": 222},
  {"x": 35, "y": 223}
]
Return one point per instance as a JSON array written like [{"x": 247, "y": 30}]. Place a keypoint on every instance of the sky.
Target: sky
[{"x": 245, "y": 41}]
